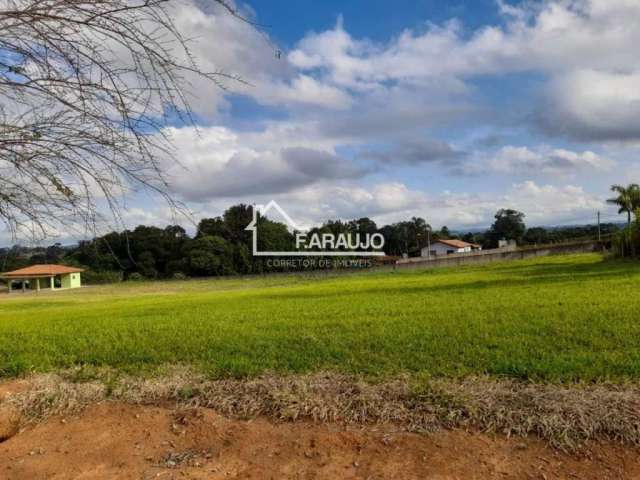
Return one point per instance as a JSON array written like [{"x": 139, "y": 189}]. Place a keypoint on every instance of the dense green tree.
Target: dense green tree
[
  {"x": 236, "y": 220},
  {"x": 274, "y": 236},
  {"x": 508, "y": 225},
  {"x": 363, "y": 225},
  {"x": 146, "y": 264},
  {"x": 212, "y": 227},
  {"x": 209, "y": 256},
  {"x": 337, "y": 227},
  {"x": 444, "y": 233},
  {"x": 537, "y": 235},
  {"x": 54, "y": 253},
  {"x": 242, "y": 260},
  {"x": 394, "y": 240},
  {"x": 175, "y": 238},
  {"x": 477, "y": 238},
  {"x": 405, "y": 237}
]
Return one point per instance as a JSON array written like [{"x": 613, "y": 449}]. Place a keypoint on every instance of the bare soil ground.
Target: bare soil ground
[
  {"x": 109, "y": 440},
  {"x": 113, "y": 439}
]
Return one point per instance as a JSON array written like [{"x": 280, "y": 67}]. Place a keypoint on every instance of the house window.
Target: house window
[{"x": 449, "y": 252}]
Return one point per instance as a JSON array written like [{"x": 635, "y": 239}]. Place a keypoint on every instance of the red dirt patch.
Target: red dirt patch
[
  {"x": 11, "y": 387},
  {"x": 112, "y": 440}
]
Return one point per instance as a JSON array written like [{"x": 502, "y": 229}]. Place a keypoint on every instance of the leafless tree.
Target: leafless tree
[{"x": 87, "y": 88}]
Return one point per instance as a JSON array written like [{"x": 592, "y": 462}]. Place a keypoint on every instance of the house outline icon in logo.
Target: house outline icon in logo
[{"x": 263, "y": 209}]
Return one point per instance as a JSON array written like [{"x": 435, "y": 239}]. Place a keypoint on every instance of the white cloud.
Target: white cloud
[
  {"x": 389, "y": 202},
  {"x": 586, "y": 47},
  {"x": 548, "y": 204},
  {"x": 542, "y": 205},
  {"x": 556, "y": 36},
  {"x": 329, "y": 201},
  {"x": 421, "y": 78},
  {"x": 301, "y": 89},
  {"x": 222, "y": 43},
  {"x": 216, "y": 162},
  {"x": 594, "y": 105},
  {"x": 522, "y": 160}
]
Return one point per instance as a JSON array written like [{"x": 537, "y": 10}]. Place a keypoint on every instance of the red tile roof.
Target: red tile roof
[
  {"x": 457, "y": 243},
  {"x": 42, "y": 270}
]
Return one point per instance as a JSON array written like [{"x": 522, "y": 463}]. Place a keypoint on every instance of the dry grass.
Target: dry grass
[{"x": 566, "y": 416}]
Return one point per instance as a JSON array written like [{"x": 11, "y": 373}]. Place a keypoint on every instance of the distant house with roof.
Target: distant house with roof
[
  {"x": 448, "y": 247},
  {"x": 37, "y": 277}
]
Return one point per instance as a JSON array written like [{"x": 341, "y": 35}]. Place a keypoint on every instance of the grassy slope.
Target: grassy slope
[{"x": 557, "y": 318}]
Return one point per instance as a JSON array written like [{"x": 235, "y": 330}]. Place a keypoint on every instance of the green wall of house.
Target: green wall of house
[{"x": 71, "y": 280}]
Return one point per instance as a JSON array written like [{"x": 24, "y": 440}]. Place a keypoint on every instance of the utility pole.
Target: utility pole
[
  {"x": 406, "y": 242},
  {"x": 599, "y": 236}
]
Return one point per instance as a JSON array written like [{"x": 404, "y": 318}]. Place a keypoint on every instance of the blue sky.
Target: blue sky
[
  {"x": 377, "y": 19},
  {"x": 447, "y": 110}
]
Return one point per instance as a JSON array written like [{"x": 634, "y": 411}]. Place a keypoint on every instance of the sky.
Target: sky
[{"x": 446, "y": 110}]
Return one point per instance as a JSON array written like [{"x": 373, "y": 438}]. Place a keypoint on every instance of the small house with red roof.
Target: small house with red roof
[{"x": 37, "y": 277}]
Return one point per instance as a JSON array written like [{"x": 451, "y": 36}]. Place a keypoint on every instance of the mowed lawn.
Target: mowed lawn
[{"x": 564, "y": 318}]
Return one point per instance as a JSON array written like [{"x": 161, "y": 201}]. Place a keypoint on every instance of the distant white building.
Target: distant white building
[
  {"x": 448, "y": 247},
  {"x": 507, "y": 243}
]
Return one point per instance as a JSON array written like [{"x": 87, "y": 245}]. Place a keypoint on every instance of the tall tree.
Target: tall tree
[
  {"x": 236, "y": 219},
  {"x": 444, "y": 233},
  {"x": 208, "y": 256},
  {"x": 363, "y": 225},
  {"x": 508, "y": 225},
  {"x": 627, "y": 199},
  {"x": 87, "y": 88},
  {"x": 214, "y": 227},
  {"x": 405, "y": 237}
]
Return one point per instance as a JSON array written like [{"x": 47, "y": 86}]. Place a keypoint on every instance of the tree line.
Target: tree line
[
  {"x": 627, "y": 241},
  {"x": 222, "y": 245}
]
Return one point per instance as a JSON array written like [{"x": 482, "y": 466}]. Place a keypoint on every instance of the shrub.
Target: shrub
[
  {"x": 626, "y": 243},
  {"x": 179, "y": 276},
  {"x": 92, "y": 277},
  {"x": 135, "y": 277}
]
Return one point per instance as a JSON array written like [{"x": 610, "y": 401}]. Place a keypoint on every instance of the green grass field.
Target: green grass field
[{"x": 564, "y": 318}]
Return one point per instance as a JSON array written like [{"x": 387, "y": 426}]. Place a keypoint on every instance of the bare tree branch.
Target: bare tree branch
[{"x": 87, "y": 88}]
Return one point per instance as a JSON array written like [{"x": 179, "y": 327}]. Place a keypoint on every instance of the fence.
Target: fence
[{"x": 504, "y": 254}]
